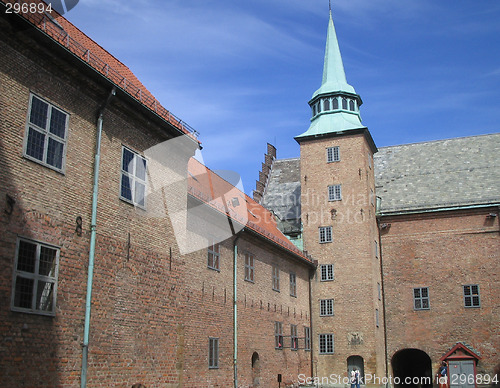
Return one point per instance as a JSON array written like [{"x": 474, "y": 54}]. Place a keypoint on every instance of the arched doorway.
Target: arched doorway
[
  {"x": 412, "y": 368},
  {"x": 255, "y": 369},
  {"x": 358, "y": 363}
]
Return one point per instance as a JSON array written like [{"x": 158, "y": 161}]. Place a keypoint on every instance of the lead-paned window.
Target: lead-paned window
[
  {"x": 327, "y": 273},
  {"x": 325, "y": 234},
  {"x": 335, "y": 193},
  {"x": 46, "y": 134},
  {"x": 133, "y": 177},
  {"x": 35, "y": 278},
  {"x": 421, "y": 298},
  {"x": 333, "y": 154},
  {"x": 326, "y": 307},
  {"x": 471, "y": 295},
  {"x": 326, "y": 345}
]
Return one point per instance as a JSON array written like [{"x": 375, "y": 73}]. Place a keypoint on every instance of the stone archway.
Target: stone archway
[
  {"x": 412, "y": 368},
  {"x": 255, "y": 370},
  {"x": 358, "y": 363}
]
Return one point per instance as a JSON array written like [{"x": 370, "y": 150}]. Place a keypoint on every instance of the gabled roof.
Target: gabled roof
[
  {"x": 222, "y": 196},
  {"x": 69, "y": 37},
  {"x": 461, "y": 350}
]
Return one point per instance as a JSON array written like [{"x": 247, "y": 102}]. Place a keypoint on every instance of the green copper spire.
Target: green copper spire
[{"x": 335, "y": 105}]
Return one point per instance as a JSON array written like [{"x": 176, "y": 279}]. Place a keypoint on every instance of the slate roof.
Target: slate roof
[
  {"x": 459, "y": 172},
  {"x": 282, "y": 193},
  {"x": 439, "y": 174}
]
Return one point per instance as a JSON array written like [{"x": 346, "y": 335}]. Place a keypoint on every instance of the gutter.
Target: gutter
[
  {"x": 437, "y": 209},
  {"x": 93, "y": 227}
]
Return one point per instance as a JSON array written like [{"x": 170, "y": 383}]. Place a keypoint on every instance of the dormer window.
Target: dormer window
[
  {"x": 326, "y": 104},
  {"x": 344, "y": 103}
]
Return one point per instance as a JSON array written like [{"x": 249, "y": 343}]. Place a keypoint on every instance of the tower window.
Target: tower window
[
  {"x": 421, "y": 298},
  {"x": 333, "y": 154},
  {"x": 335, "y": 103},
  {"x": 213, "y": 353},
  {"x": 325, "y": 234},
  {"x": 278, "y": 335},
  {"x": 471, "y": 296},
  {"x": 314, "y": 109},
  {"x": 326, "y": 344},
  {"x": 326, "y": 307},
  {"x": 334, "y": 193},
  {"x": 344, "y": 103},
  {"x": 351, "y": 105},
  {"x": 326, "y": 104},
  {"x": 326, "y": 272}
]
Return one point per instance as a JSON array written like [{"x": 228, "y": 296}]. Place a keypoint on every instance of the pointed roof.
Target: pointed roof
[{"x": 334, "y": 78}]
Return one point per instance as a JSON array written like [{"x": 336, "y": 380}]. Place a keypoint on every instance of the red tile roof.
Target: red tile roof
[
  {"x": 75, "y": 41},
  {"x": 222, "y": 196}
]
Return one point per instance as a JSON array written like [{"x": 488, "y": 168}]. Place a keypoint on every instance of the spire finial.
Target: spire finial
[{"x": 330, "y": 5}]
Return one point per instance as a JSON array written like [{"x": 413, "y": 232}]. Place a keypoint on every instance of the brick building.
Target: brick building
[
  {"x": 192, "y": 283},
  {"x": 406, "y": 238}
]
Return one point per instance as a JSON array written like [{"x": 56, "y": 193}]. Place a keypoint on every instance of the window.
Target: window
[
  {"x": 335, "y": 103},
  {"x": 351, "y": 105},
  {"x": 278, "y": 335},
  {"x": 249, "y": 267},
  {"x": 35, "y": 278},
  {"x": 276, "y": 278},
  {"x": 46, "y": 134},
  {"x": 471, "y": 296},
  {"x": 344, "y": 103},
  {"x": 334, "y": 193},
  {"x": 213, "y": 353},
  {"x": 307, "y": 338},
  {"x": 326, "y": 272},
  {"x": 379, "y": 289},
  {"x": 326, "y": 307},
  {"x": 133, "y": 184},
  {"x": 325, "y": 234},
  {"x": 326, "y": 104},
  {"x": 294, "y": 344},
  {"x": 332, "y": 154},
  {"x": 293, "y": 284},
  {"x": 377, "y": 318},
  {"x": 214, "y": 256},
  {"x": 314, "y": 109},
  {"x": 326, "y": 344},
  {"x": 421, "y": 298}
]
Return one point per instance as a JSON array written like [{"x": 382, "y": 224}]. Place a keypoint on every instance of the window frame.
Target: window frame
[
  {"x": 334, "y": 193},
  {"x": 327, "y": 268},
  {"x": 471, "y": 296},
  {"x": 36, "y": 277},
  {"x": 213, "y": 353},
  {"x": 249, "y": 267},
  {"x": 326, "y": 342},
  {"x": 46, "y": 134},
  {"x": 326, "y": 307},
  {"x": 294, "y": 338},
  {"x": 333, "y": 154},
  {"x": 214, "y": 250},
  {"x": 421, "y": 299},
  {"x": 326, "y": 232},
  {"x": 275, "y": 277},
  {"x": 132, "y": 177},
  {"x": 307, "y": 338},
  {"x": 293, "y": 284},
  {"x": 278, "y": 335}
]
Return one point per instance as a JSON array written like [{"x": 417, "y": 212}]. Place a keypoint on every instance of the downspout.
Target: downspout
[
  {"x": 311, "y": 335},
  {"x": 93, "y": 227},
  {"x": 235, "y": 308},
  {"x": 383, "y": 301}
]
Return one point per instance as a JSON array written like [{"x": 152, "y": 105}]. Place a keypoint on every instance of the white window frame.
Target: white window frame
[
  {"x": 327, "y": 272},
  {"x": 419, "y": 300},
  {"x": 276, "y": 277},
  {"x": 326, "y": 308},
  {"x": 47, "y": 134},
  {"x": 326, "y": 343},
  {"x": 471, "y": 295},
  {"x": 334, "y": 193},
  {"x": 213, "y": 256},
  {"x": 249, "y": 267},
  {"x": 325, "y": 234},
  {"x": 36, "y": 277},
  {"x": 333, "y": 154},
  {"x": 133, "y": 179},
  {"x": 213, "y": 353},
  {"x": 293, "y": 284}
]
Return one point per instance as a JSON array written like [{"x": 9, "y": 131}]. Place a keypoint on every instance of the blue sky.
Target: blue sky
[{"x": 241, "y": 72}]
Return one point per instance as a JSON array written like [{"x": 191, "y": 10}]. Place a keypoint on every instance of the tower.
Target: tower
[{"x": 340, "y": 227}]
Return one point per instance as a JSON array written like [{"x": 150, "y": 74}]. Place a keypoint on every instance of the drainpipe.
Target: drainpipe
[
  {"x": 93, "y": 227},
  {"x": 235, "y": 307},
  {"x": 383, "y": 301}
]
